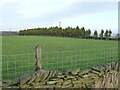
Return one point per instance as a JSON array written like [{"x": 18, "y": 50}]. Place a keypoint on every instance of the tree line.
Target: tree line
[{"x": 67, "y": 32}]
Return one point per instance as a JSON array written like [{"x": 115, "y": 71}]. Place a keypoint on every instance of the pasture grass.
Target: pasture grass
[{"x": 61, "y": 54}]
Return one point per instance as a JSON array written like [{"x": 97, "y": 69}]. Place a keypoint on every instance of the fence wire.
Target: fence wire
[
  {"x": 0, "y": 60},
  {"x": 14, "y": 66}
]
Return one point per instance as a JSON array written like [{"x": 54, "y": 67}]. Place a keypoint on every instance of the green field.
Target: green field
[{"x": 58, "y": 53}]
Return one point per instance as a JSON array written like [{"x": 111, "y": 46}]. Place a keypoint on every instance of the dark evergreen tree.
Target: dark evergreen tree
[
  {"x": 95, "y": 34},
  {"x": 109, "y": 33},
  {"x": 101, "y": 34},
  {"x": 106, "y": 34}
]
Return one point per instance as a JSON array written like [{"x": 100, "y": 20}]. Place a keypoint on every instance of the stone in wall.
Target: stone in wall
[{"x": 104, "y": 76}]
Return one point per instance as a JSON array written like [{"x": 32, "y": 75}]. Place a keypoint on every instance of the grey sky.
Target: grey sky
[{"x": 20, "y": 14}]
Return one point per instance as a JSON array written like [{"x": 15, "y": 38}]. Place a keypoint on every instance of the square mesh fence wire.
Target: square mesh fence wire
[{"x": 17, "y": 65}]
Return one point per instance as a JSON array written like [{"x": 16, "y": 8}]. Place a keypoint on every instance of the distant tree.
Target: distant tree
[
  {"x": 109, "y": 33},
  {"x": 101, "y": 34},
  {"x": 106, "y": 34},
  {"x": 65, "y": 32},
  {"x": 89, "y": 33},
  {"x": 95, "y": 34},
  {"x": 83, "y": 32},
  {"x": 77, "y": 28},
  {"x": 77, "y": 32},
  {"x": 86, "y": 33}
]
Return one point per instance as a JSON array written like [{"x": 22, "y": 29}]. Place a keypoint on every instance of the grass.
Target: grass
[{"x": 58, "y": 53}]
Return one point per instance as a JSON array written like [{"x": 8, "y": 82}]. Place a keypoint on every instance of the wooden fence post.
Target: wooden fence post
[{"x": 38, "y": 63}]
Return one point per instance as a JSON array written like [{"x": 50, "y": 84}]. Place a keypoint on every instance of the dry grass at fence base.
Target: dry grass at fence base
[{"x": 106, "y": 76}]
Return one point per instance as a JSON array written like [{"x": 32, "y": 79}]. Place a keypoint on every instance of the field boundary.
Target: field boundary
[{"x": 16, "y": 65}]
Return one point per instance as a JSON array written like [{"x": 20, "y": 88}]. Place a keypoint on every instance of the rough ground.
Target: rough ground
[{"x": 105, "y": 76}]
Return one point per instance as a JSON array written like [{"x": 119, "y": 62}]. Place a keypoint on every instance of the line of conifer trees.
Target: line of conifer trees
[{"x": 67, "y": 32}]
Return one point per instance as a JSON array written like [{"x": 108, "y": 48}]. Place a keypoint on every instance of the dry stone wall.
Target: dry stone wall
[{"x": 104, "y": 76}]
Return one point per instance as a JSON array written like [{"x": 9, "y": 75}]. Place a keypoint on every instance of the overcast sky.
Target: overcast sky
[{"x": 21, "y": 14}]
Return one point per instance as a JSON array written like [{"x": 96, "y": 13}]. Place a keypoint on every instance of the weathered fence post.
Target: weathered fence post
[{"x": 38, "y": 63}]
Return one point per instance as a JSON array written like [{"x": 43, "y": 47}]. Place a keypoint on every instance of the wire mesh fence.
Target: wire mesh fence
[
  {"x": 14, "y": 66},
  {"x": 83, "y": 59}
]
